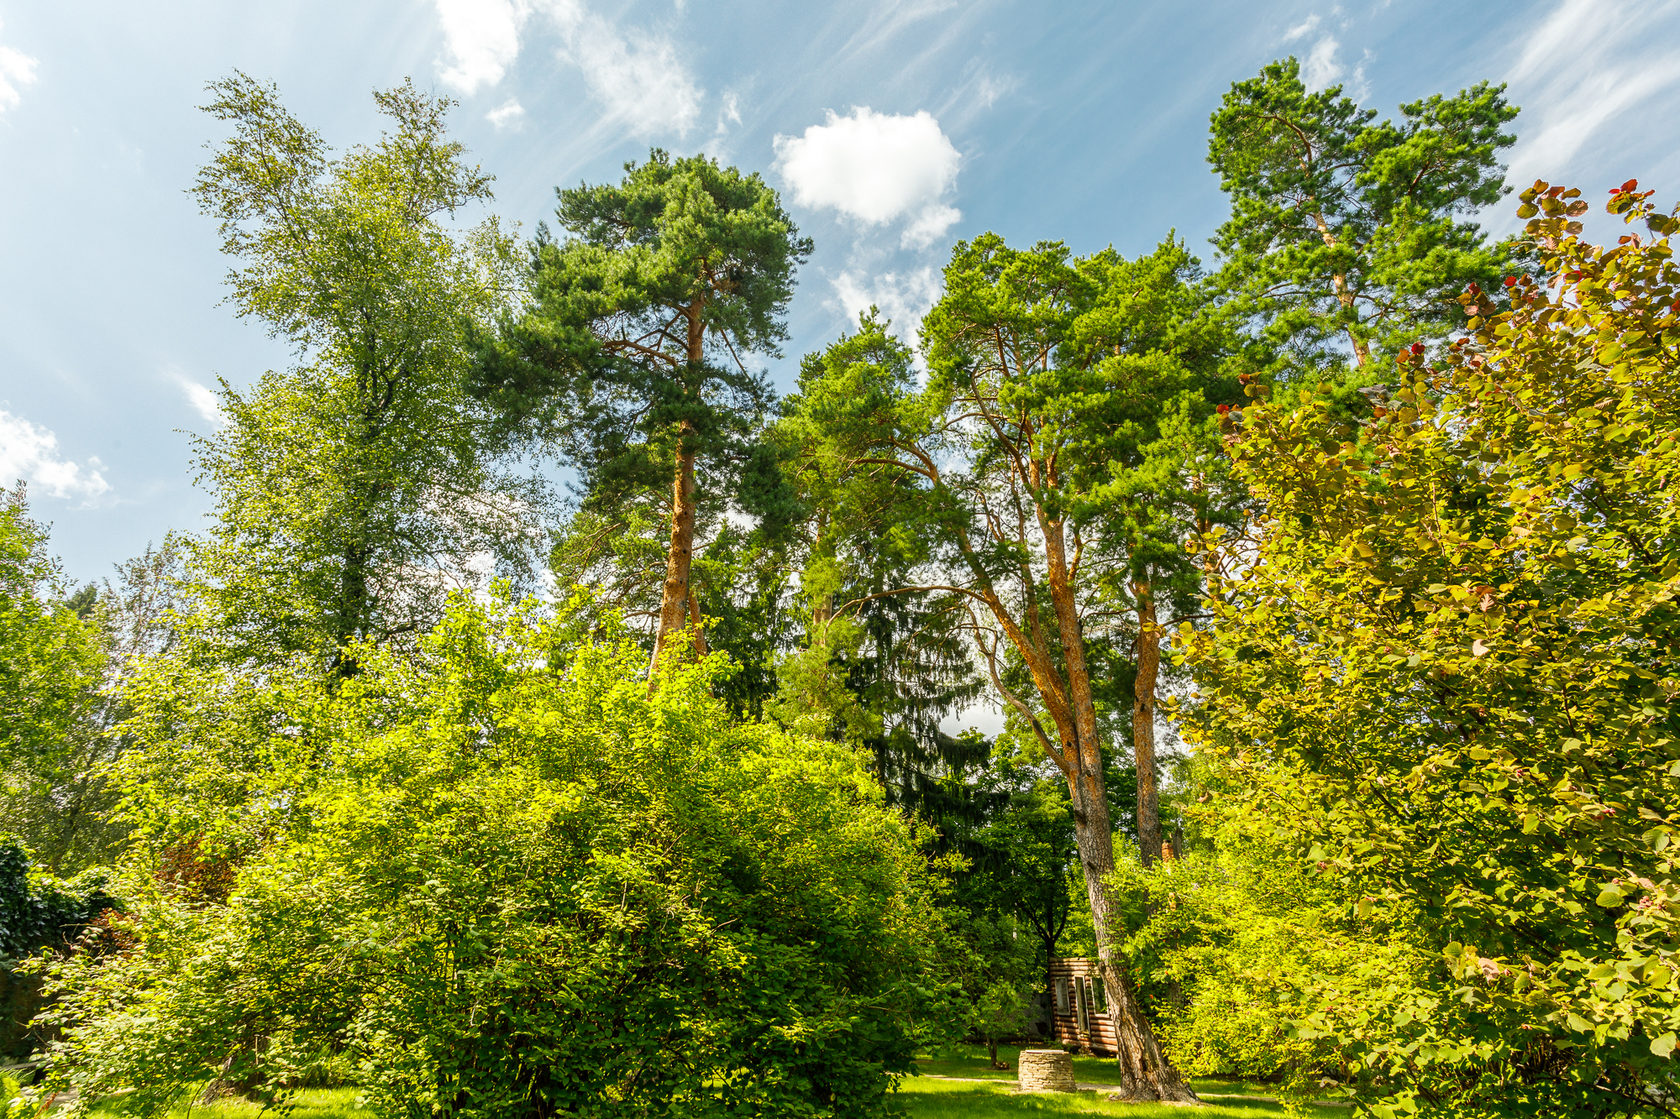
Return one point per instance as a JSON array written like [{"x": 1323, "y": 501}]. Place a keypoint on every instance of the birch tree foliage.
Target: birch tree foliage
[
  {"x": 354, "y": 489},
  {"x": 1350, "y": 235},
  {"x": 51, "y": 663}
]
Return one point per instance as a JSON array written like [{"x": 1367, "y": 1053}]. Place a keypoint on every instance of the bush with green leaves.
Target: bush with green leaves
[
  {"x": 1444, "y": 678},
  {"x": 511, "y": 882},
  {"x": 38, "y": 913}
]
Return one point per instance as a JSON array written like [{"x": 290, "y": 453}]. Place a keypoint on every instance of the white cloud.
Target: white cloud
[
  {"x": 887, "y": 19},
  {"x": 509, "y": 114},
  {"x": 641, "y": 80},
  {"x": 202, "y": 399},
  {"x": 16, "y": 71},
  {"x": 1321, "y": 69},
  {"x": 483, "y": 39},
  {"x": 1590, "y": 78},
  {"x": 929, "y": 226},
  {"x": 876, "y": 168},
  {"x": 643, "y": 84},
  {"x": 1302, "y": 30},
  {"x": 904, "y": 299},
  {"x": 30, "y": 453},
  {"x": 729, "y": 112}
]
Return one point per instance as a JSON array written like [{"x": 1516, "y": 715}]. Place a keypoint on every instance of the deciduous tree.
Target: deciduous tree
[
  {"x": 1446, "y": 679},
  {"x": 354, "y": 490}
]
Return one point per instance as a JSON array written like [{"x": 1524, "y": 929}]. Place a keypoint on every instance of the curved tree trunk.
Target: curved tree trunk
[{"x": 1145, "y": 1072}]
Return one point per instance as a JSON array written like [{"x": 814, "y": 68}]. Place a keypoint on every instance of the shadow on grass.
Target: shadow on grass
[
  {"x": 311, "y": 1103},
  {"x": 971, "y": 1061},
  {"x": 925, "y": 1098}
]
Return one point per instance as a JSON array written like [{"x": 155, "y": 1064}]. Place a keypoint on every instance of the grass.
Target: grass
[
  {"x": 923, "y": 1097},
  {"x": 970, "y": 1061},
  {"x": 310, "y": 1103}
]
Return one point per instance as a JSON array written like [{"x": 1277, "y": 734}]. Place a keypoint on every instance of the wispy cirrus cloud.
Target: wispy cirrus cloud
[
  {"x": 640, "y": 78},
  {"x": 1322, "y": 66},
  {"x": 876, "y": 168},
  {"x": 1590, "y": 78},
  {"x": 641, "y": 81},
  {"x": 200, "y": 397},
  {"x": 29, "y": 453}
]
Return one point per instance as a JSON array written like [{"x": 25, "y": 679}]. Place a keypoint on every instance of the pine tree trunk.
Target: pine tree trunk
[
  {"x": 1143, "y": 725},
  {"x": 679, "y": 557},
  {"x": 1344, "y": 295},
  {"x": 1145, "y": 1073},
  {"x": 1144, "y": 1070}
]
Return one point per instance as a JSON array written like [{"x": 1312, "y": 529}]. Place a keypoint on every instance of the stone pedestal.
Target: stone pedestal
[{"x": 1046, "y": 1070}]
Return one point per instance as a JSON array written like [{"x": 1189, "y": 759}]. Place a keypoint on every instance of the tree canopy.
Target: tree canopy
[
  {"x": 1347, "y": 231},
  {"x": 1444, "y": 679},
  {"x": 633, "y": 349}
]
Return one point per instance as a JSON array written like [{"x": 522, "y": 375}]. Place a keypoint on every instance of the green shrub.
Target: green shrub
[
  {"x": 514, "y": 884},
  {"x": 38, "y": 913}
]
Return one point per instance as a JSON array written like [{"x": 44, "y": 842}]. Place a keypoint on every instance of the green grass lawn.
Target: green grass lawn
[
  {"x": 922, "y": 1097},
  {"x": 310, "y": 1103}
]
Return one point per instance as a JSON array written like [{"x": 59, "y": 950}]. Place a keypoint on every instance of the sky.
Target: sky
[{"x": 891, "y": 130}]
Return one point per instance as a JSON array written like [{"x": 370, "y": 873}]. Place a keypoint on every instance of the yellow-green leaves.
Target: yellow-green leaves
[{"x": 1480, "y": 717}]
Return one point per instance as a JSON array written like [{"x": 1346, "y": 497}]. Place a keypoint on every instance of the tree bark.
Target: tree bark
[
  {"x": 1143, "y": 724},
  {"x": 1344, "y": 295},
  {"x": 1145, "y": 1072},
  {"x": 679, "y": 557}
]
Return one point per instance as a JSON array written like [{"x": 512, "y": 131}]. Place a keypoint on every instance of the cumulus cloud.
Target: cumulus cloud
[
  {"x": 509, "y": 114},
  {"x": 30, "y": 453},
  {"x": 876, "y": 168},
  {"x": 903, "y": 297},
  {"x": 642, "y": 83},
  {"x": 482, "y": 38},
  {"x": 16, "y": 71}
]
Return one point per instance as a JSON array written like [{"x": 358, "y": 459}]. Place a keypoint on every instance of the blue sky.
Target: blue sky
[{"x": 891, "y": 128}]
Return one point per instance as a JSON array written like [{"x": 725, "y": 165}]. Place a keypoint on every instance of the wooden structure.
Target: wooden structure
[{"x": 1079, "y": 1017}]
